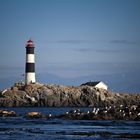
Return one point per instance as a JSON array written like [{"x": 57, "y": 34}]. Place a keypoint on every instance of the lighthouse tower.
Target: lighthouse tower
[{"x": 30, "y": 63}]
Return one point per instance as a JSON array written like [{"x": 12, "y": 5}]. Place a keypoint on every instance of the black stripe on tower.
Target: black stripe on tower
[
  {"x": 29, "y": 50},
  {"x": 30, "y": 67}
]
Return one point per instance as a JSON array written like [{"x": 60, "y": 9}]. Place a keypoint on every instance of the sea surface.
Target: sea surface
[{"x": 20, "y": 128}]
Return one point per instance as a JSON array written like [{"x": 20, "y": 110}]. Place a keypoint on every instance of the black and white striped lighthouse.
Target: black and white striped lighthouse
[{"x": 30, "y": 63}]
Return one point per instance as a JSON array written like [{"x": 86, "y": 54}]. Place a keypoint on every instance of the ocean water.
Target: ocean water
[{"x": 59, "y": 129}]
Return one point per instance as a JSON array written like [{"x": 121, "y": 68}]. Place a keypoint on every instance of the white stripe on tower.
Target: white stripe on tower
[
  {"x": 30, "y": 77},
  {"x": 30, "y": 58},
  {"x": 30, "y": 63}
]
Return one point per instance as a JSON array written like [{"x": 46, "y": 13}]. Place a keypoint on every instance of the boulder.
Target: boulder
[
  {"x": 7, "y": 113},
  {"x": 102, "y": 97},
  {"x": 32, "y": 115}
]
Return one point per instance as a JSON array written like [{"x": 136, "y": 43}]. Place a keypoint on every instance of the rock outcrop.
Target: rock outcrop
[
  {"x": 32, "y": 115},
  {"x": 52, "y": 95},
  {"x": 7, "y": 113},
  {"x": 121, "y": 112}
]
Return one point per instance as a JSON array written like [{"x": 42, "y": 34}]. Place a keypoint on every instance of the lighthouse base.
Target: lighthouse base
[{"x": 30, "y": 78}]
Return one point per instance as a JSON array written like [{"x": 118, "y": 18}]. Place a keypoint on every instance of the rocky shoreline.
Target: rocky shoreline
[
  {"x": 108, "y": 113},
  {"x": 105, "y": 105},
  {"x": 51, "y": 95}
]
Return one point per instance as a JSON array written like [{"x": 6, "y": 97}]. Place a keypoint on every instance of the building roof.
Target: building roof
[{"x": 91, "y": 83}]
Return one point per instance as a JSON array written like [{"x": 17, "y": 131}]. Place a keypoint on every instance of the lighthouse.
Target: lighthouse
[{"x": 30, "y": 63}]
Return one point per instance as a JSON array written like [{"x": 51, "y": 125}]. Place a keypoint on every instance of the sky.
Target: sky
[{"x": 98, "y": 39}]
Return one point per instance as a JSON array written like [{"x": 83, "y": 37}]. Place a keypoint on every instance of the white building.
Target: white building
[
  {"x": 97, "y": 84},
  {"x": 101, "y": 85}
]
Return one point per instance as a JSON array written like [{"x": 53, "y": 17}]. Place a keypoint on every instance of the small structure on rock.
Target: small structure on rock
[{"x": 97, "y": 84}]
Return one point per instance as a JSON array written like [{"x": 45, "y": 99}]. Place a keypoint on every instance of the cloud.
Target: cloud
[
  {"x": 107, "y": 51},
  {"x": 125, "y": 42},
  {"x": 97, "y": 50},
  {"x": 72, "y": 41},
  {"x": 85, "y": 49}
]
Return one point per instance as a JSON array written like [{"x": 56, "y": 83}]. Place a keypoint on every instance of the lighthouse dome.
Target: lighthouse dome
[{"x": 30, "y": 43}]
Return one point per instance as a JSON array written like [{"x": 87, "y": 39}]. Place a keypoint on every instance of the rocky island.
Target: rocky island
[
  {"x": 104, "y": 104},
  {"x": 52, "y": 95}
]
